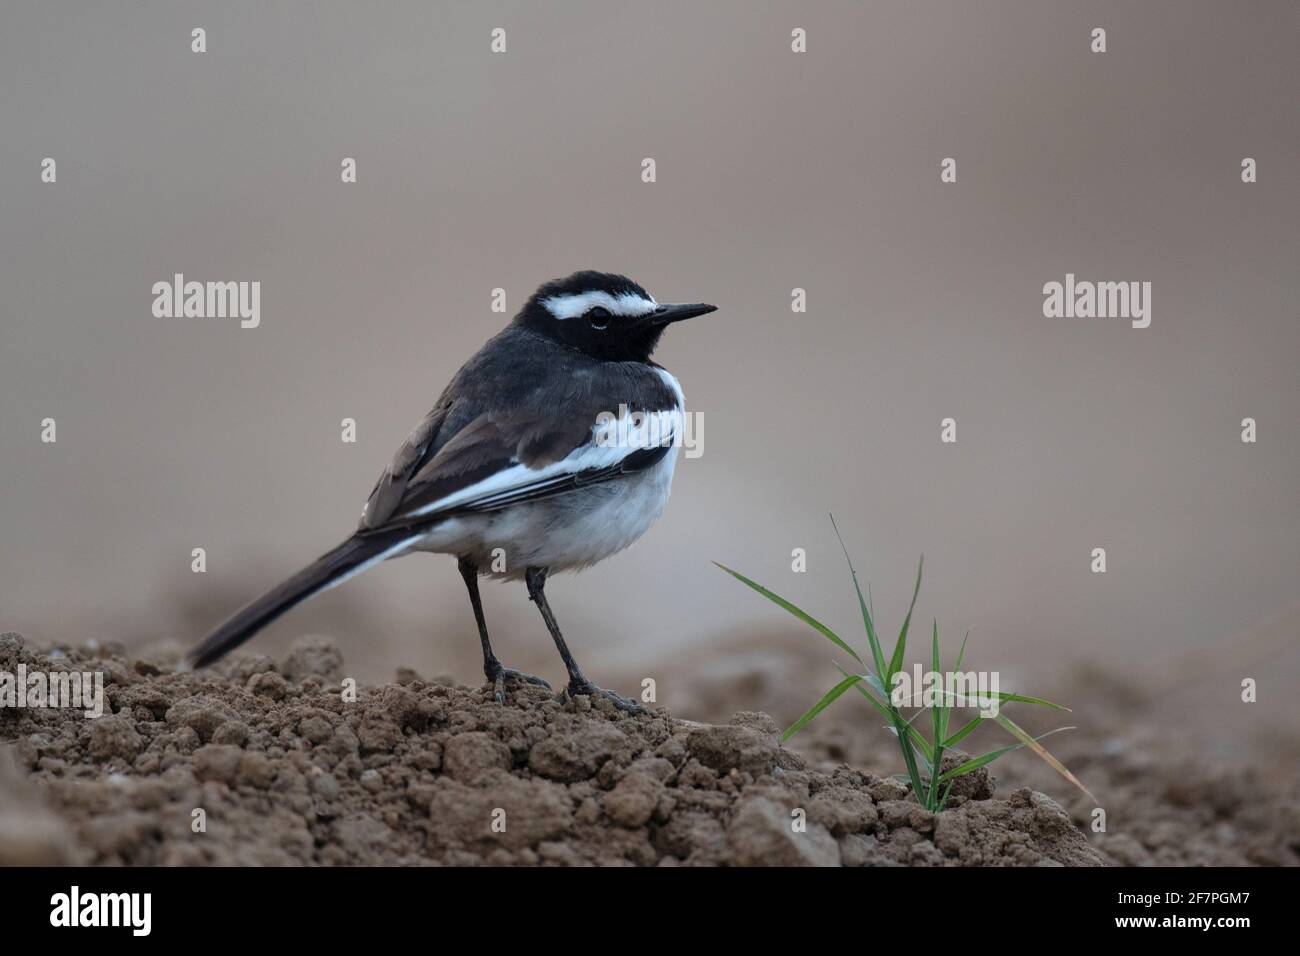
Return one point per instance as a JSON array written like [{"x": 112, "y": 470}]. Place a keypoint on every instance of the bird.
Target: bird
[{"x": 551, "y": 449}]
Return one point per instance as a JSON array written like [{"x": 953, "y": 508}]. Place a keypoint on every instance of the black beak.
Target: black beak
[{"x": 675, "y": 313}]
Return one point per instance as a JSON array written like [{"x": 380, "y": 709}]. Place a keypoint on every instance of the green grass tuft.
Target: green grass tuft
[{"x": 922, "y": 756}]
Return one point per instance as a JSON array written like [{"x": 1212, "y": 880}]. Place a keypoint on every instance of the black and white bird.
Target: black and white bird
[{"x": 550, "y": 450}]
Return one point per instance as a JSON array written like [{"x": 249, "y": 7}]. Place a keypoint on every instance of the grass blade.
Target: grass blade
[
  {"x": 942, "y": 711},
  {"x": 830, "y": 696},
  {"x": 871, "y": 679},
  {"x": 1000, "y": 695},
  {"x": 896, "y": 722},
  {"x": 963, "y": 733},
  {"x": 1021, "y": 735},
  {"x": 877, "y": 654},
  {"x": 961, "y": 654},
  {"x": 938, "y": 724},
  {"x": 976, "y": 762},
  {"x": 900, "y": 648},
  {"x": 808, "y": 619},
  {"x": 877, "y": 686},
  {"x": 974, "y": 697}
]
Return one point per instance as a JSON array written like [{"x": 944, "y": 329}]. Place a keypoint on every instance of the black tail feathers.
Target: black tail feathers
[{"x": 348, "y": 558}]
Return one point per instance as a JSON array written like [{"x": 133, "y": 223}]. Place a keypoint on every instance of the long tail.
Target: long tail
[{"x": 350, "y": 558}]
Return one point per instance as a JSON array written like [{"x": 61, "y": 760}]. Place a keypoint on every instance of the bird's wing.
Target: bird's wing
[
  {"x": 389, "y": 490},
  {"x": 499, "y": 459}
]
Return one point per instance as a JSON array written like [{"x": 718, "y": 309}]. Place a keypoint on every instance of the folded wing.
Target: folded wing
[{"x": 498, "y": 460}]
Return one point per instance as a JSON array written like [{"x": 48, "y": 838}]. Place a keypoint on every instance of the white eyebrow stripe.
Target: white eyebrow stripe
[{"x": 571, "y": 306}]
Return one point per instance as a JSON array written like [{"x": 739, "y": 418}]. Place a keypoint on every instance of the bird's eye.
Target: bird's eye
[{"x": 598, "y": 317}]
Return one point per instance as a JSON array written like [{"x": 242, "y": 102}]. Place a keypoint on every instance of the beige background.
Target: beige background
[{"x": 775, "y": 170}]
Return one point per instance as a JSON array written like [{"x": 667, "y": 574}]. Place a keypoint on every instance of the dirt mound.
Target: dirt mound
[
  {"x": 265, "y": 762},
  {"x": 1173, "y": 796}
]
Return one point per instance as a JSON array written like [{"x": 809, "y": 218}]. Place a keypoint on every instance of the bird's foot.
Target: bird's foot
[
  {"x": 497, "y": 677},
  {"x": 586, "y": 688}
]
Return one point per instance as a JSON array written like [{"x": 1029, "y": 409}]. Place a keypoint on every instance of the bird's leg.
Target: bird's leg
[
  {"x": 535, "y": 578},
  {"x": 496, "y": 674}
]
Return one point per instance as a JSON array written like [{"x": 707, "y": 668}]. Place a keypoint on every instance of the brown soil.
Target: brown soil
[
  {"x": 1174, "y": 792},
  {"x": 418, "y": 772}
]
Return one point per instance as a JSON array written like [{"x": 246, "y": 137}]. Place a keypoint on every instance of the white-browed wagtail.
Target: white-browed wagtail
[{"x": 551, "y": 449}]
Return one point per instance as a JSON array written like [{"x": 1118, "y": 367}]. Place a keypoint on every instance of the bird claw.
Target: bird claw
[
  {"x": 504, "y": 674},
  {"x": 588, "y": 689}
]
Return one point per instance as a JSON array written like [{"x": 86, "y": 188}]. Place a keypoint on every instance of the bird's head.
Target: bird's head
[{"x": 603, "y": 315}]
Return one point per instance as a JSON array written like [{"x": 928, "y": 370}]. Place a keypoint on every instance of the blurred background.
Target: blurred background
[{"x": 775, "y": 170}]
